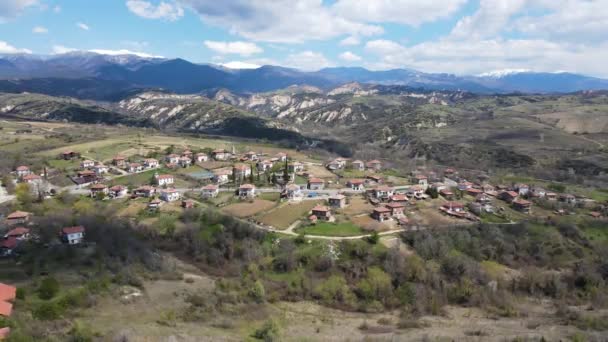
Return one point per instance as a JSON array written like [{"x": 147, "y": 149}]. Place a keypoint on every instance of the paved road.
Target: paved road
[{"x": 4, "y": 196}]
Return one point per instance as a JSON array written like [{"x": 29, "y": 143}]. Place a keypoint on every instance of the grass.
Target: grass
[
  {"x": 247, "y": 209},
  {"x": 270, "y": 196},
  {"x": 283, "y": 217},
  {"x": 332, "y": 229},
  {"x": 136, "y": 179}
]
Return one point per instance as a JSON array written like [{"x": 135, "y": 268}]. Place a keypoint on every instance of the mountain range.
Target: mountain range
[{"x": 96, "y": 76}]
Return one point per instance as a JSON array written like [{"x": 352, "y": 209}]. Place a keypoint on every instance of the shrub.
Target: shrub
[
  {"x": 47, "y": 311},
  {"x": 49, "y": 287},
  {"x": 20, "y": 293},
  {"x": 268, "y": 332}
]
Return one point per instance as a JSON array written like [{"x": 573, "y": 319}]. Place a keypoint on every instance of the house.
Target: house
[
  {"x": 449, "y": 172},
  {"x": 551, "y": 196},
  {"x": 356, "y": 184},
  {"x": 247, "y": 191},
  {"x": 100, "y": 169},
  {"x": 151, "y": 163},
  {"x": 383, "y": 192},
  {"x": 19, "y": 233},
  {"x": 316, "y": 184},
  {"x": 421, "y": 180},
  {"x": 187, "y": 204},
  {"x": 337, "y": 201},
  {"x": 464, "y": 186},
  {"x": 474, "y": 192},
  {"x": 135, "y": 167},
  {"x": 87, "y": 176},
  {"x": 522, "y": 205},
  {"x": 323, "y": 213},
  {"x": 22, "y": 171},
  {"x": 7, "y": 296},
  {"x": 568, "y": 199},
  {"x": 522, "y": 189},
  {"x": 221, "y": 176},
  {"x": 438, "y": 186},
  {"x": 294, "y": 167},
  {"x": 210, "y": 191},
  {"x": 416, "y": 191},
  {"x": 172, "y": 158},
  {"x": 374, "y": 165},
  {"x": 453, "y": 207},
  {"x": 398, "y": 198},
  {"x": 374, "y": 179},
  {"x": 119, "y": 161},
  {"x": 117, "y": 191},
  {"x": 185, "y": 161},
  {"x": 69, "y": 155},
  {"x": 8, "y": 246},
  {"x": 336, "y": 164},
  {"x": 31, "y": 179},
  {"x": 508, "y": 196},
  {"x": 169, "y": 195},
  {"x": 220, "y": 155},
  {"x": 97, "y": 189},
  {"x": 251, "y": 156},
  {"x": 85, "y": 164},
  {"x": 163, "y": 180},
  {"x": 282, "y": 157},
  {"x": 264, "y": 165},
  {"x": 292, "y": 191},
  {"x": 154, "y": 204},
  {"x": 447, "y": 194},
  {"x": 240, "y": 171},
  {"x": 201, "y": 157},
  {"x": 358, "y": 165},
  {"x": 72, "y": 235},
  {"x": 433, "y": 177},
  {"x": 397, "y": 209},
  {"x": 381, "y": 214},
  {"x": 187, "y": 154},
  {"x": 483, "y": 198},
  {"x": 538, "y": 192},
  {"x": 145, "y": 191}
]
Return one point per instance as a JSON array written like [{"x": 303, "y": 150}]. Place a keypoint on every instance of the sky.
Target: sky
[{"x": 451, "y": 36}]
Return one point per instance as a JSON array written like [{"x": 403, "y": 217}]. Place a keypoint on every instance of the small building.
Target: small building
[
  {"x": 453, "y": 207},
  {"x": 85, "y": 164},
  {"x": 334, "y": 165},
  {"x": 151, "y": 163},
  {"x": 240, "y": 171},
  {"x": 358, "y": 165},
  {"x": 522, "y": 205},
  {"x": 221, "y": 176},
  {"x": 438, "y": 186},
  {"x": 31, "y": 179},
  {"x": 118, "y": 191},
  {"x": 383, "y": 192},
  {"x": 292, "y": 191},
  {"x": 119, "y": 161},
  {"x": 253, "y": 156},
  {"x": 464, "y": 186},
  {"x": 264, "y": 165},
  {"x": 374, "y": 165},
  {"x": 568, "y": 199},
  {"x": 19, "y": 233},
  {"x": 247, "y": 191},
  {"x": 188, "y": 204},
  {"x": 483, "y": 199},
  {"x": 474, "y": 192},
  {"x": 522, "y": 189},
  {"x": 538, "y": 192},
  {"x": 185, "y": 161},
  {"x": 337, "y": 201},
  {"x": 135, "y": 167},
  {"x": 87, "y": 176},
  {"x": 381, "y": 214},
  {"x": 399, "y": 198},
  {"x": 154, "y": 204},
  {"x": 447, "y": 194},
  {"x": 282, "y": 157},
  {"x": 163, "y": 180},
  {"x": 210, "y": 191},
  {"x": 416, "y": 191},
  {"x": 551, "y": 196},
  {"x": 356, "y": 184},
  {"x": 397, "y": 209},
  {"x": 374, "y": 179},
  {"x": 201, "y": 157},
  {"x": 449, "y": 172},
  {"x": 421, "y": 180},
  {"x": 508, "y": 196},
  {"x": 97, "y": 189},
  {"x": 73, "y": 235},
  {"x": 8, "y": 246},
  {"x": 22, "y": 171},
  {"x": 169, "y": 195},
  {"x": 172, "y": 158},
  {"x": 316, "y": 183},
  {"x": 69, "y": 155},
  {"x": 145, "y": 191},
  {"x": 295, "y": 167},
  {"x": 221, "y": 155},
  {"x": 322, "y": 213},
  {"x": 187, "y": 154},
  {"x": 100, "y": 169}
]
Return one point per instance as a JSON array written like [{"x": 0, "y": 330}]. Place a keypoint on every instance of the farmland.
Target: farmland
[
  {"x": 287, "y": 214},
  {"x": 331, "y": 229},
  {"x": 248, "y": 208}
]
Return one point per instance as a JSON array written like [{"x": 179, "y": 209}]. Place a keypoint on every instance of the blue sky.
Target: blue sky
[{"x": 454, "y": 36}]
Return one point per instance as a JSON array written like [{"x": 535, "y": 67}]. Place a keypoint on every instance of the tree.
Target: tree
[
  {"x": 8, "y": 183},
  {"x": 374, "y": 238},
  {"x": 49, "y": 287},
  {"x": 376, "y": 285},
  {"x": 286, "y": 173},
  {"x": 251, "y": 180},
  {"x": 24, "y": 194}
]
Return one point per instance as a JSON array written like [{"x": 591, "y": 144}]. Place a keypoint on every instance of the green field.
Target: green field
[
  {"x": 284, "y": 216},
  {"x": 332, "y": 229}
]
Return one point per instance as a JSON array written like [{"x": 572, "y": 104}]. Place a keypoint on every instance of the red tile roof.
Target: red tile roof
[
  {"x": 320, "y": 208},
  {"x": 356, "y": 181},
  {"x": 18, "y": 215},
  {"x": 98, "y": 186},
  {"x": 31, "y": 177},
  {"x": 165, "y": 177},
  {"x": 72, "y": 230},
  {"x": 247, "y": 186},
  {"x": 9, "y": 243},
  {"x": 315, "y": 180},
  {"x": 6, "y": 309},
  {"x": 18, "y": 231},
  {"x": 4, "y": 332},
  {"x": 210, "y": 187},
  {"x": 382, "y": 210},
  {"x": 7, "y": 292},
  {"x": 453, "y": 205},
  {"x": 23, "y": 168}
]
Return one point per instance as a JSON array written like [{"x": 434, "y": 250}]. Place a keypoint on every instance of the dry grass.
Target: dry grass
[
  {"x": 358, "y": 205},
  {"x": 247, "y": 209},
  {"x": 320, "y": 172},
  {"x": 283, "y": 217},
  {"x": 132, "y": 209}
]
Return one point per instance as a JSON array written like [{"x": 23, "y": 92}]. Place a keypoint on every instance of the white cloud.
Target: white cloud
[
  {"x": 409, "y": 12},
  {"x": 349, "y": 41},
  {"x": 6, "y": 48},
  {"x": 349, "y": 57},
  {"x": 164, "y": 10},
  {"x": 240, "y": 48},
  {"x": 240, "y": 65},
  {"x": 40, "y": 30},
  {"x": 9, "y": 9},
  {"x": 60, "y": 49},
  {"x": 57, "y": 9},
  {"x": 491, "y": 18},
  {"x": 307, "y": 60},
  {"x": 279, "y": 21},
  {"x": 83, "y": 26}
]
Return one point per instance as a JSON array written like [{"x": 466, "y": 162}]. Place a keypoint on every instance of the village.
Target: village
[{"x": 337, "y": 199}]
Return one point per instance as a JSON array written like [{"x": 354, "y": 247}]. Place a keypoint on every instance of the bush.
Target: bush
[
  {"x": 47, "y": 311},
  {"x": 49, "y": 287},
  {"x": 269, "y": 332},
  {"x": 257, "y": 292},
  {"x": 20, "y": 293}
]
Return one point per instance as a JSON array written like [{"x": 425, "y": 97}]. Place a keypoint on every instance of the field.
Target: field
[
  {"x": 284, "y": 216},
  {"x": 358, "y": 205},
  {"x": 331, "y": 229},
  {"x": 247, "y": 209}
]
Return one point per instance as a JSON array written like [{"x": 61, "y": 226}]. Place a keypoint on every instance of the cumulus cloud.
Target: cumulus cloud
[
  {"x": 9, "y": 9},
  {"x": 349, "y": 57},
  {"x": 83, "y": 26},
  {"x": 40, "y": 30},
  {"x": 279, "y": 21},
  {"x": 164, "y": 10},
  {"x": 60, "y": 49},
  {"x": 239, "y": 48},
  {"x": 349, "y": 41},
  {"x": 7, "y": 48},
  {"x": 409, "y": 12},
  {"x": 307, "y": 60}
]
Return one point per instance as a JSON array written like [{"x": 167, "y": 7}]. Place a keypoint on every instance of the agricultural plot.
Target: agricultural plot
[
  {"x": 247, "y": 209},
  {"x": 332, "y": 229},
  {"x": 284, "y": 216}
]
